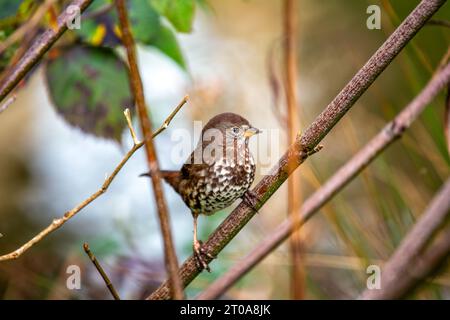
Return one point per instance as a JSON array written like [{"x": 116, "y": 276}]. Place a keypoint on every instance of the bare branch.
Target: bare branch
[
  {"x": 336, "y": 183},
  {"x": 57, "y": 223},
  {"x": 274, "y": 84},
  {"x": 397, "y": 275},
  {"x": 100, "y": 11},
  {"x": 170, "y": 117},
  {"x": 100, "y": 270},
  {"x": 297, "y": 152},
  {"x": 370, "y": 71},
  {"x": 40, "y": 46},
  {"x": 444, "y": 60},
  {"x": 127, "y": 114},
  {"x": 152, "y": 160},
  {"x": 438, "y": 22}
]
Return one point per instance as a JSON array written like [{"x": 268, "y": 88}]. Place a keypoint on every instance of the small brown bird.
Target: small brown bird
[{"x": 219, "y": 171}]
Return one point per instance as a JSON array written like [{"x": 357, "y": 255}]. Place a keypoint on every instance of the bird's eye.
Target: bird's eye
[{"x": 235, "y": 130}]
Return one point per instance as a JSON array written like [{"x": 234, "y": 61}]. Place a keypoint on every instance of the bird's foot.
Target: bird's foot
[
  {"x": 201, "y": 255},
  {"x": 250, "y": 199}
]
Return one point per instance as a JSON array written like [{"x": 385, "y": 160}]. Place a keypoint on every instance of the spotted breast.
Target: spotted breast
[{"x": 219, "y": 184}]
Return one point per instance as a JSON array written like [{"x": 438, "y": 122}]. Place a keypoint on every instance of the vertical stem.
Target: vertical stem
[
  {"x": 294, "y": 192},
  {"x": 311, "y": 137},
  {"x": 195, "y": 215},
  {"x": 102, "y": 272},
  {"x": 137, "y": 89}
]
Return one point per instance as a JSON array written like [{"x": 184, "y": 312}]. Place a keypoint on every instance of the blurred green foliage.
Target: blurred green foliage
[
  {"x": 364, "y": 223},
  {"x": 12, "y": 14},
  {"x": 146, "y": 25}
]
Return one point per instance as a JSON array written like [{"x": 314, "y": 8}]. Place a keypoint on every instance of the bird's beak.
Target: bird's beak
[{"x": 251, "y": 131}]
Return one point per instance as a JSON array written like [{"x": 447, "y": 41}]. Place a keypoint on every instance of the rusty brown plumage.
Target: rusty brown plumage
[{"x": 219, "y": 170}]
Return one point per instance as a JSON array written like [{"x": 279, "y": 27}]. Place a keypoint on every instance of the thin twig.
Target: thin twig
[
  {"x": 312, "y": 136},
  {"x": 40, "y": 46},
  {"x": 274, "y": 84},
  {"x": 438, "y": 22},
  {"x": 336, "y": 183},
  {"x": 170, "y": 256},
  {"x": 100, "y": 270},
  {"x": 397, "y": 275},
  {"x": 7, "y": 103},
  {"x": 127, "y": 114},
  {"x": 100, "y": 11},
  {"x": 57, "y": 223},
  {"x": 447, "y": 119},
  {"x": 371, "y": 70},
  {"x": 293, "y": 127}
]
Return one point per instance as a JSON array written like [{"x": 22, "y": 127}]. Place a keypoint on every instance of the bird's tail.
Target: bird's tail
[{"x": 170, "y": 176}]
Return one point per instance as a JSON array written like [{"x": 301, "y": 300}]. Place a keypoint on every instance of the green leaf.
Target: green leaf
[
  {"x": 105, "y": 245},
  {"x": 166, "y": 41},
  {"x": 179, "y": 12},
  {"x": 144, "y": 20},
  {"x": 102, "y": 29},
  {"x": 89, "y": 87},
  {"x": 9, "y": 8}
]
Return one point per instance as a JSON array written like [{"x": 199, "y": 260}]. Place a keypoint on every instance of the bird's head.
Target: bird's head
[{"x": 231, "y": 127}]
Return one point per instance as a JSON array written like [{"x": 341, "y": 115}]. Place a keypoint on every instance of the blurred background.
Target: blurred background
[{"x": 232, "y": 58}]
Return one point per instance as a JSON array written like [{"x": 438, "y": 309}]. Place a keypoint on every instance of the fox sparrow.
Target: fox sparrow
[{"x": 219, "y": 171}]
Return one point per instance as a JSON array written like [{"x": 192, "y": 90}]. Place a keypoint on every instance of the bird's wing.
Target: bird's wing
[{"x": 191, "y": 170}]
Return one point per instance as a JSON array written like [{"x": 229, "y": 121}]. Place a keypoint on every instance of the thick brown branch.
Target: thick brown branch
[
  {"x": 398, "y": 275},
  {"x": 102, "y": 272},
  {"x": 28, "y": 26},
  {"x": 336, "y": 183},
  {"x": 40, "y": 46},
  {"x": 312, "y": 136},
  {"x": 152, "y": 160}
]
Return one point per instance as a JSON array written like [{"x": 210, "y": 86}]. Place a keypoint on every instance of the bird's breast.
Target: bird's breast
[{"x": 223, "y": 183}]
